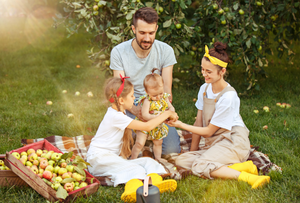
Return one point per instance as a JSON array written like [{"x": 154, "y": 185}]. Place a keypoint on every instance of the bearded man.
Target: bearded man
[{"x": 138, "y": 56}]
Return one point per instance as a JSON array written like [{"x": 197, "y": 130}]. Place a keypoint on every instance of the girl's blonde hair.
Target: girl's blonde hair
[
  {"x": 153, "y": 80},
  {"x": 111, "y": 88}
]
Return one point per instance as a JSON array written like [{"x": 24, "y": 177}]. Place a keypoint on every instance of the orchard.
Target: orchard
[{"x": 246, "y": 26}]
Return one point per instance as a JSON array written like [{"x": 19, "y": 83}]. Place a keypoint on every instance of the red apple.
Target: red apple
[
  {"x": 33, "y": 156},
  {"x": 29, "y": 151},
  {"x": 65, "y": 175},
  {"x": 44, "y": 163},
  {"x": 48, "y": 175},
  {"x": 39, "y": 152},
  {"x": 69, "y": 187},
  {"x": 63, "y": 165}
]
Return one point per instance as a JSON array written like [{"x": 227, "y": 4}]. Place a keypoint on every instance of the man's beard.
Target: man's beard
[{"x": 140, "y": 45}]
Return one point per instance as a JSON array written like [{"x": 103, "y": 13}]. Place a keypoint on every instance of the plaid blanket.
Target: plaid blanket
[{"x": 79, "y": 146}]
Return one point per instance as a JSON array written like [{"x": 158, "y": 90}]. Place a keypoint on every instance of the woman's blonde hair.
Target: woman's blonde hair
[
  {"x": 153, "y": 80},
  {"x": 111, "y": 88}
]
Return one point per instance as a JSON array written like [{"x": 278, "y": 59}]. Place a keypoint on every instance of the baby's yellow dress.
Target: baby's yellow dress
[{"x": 162, "y": 130}]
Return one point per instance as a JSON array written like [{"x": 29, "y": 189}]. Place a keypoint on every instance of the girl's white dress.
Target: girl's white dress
[{"x": 104, "y": 150}]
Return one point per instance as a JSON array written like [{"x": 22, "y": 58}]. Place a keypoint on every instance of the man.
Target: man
[{"x": 137, "y": 57}]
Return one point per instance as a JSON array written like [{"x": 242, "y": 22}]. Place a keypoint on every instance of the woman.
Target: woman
[{"x": 219, "y": 122}]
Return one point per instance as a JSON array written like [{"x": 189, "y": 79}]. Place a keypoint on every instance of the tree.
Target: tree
[{"x": 245, "y": 25}]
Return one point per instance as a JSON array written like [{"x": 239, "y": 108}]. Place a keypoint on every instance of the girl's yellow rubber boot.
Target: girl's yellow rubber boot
[
  {"x": 163, "y": 185},
  {"x": 247, "y": 166},
  {"x": 129, "y": 194},
  {"x": 254, "y": 180}
]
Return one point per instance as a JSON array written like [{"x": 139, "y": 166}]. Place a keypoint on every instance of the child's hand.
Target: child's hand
[
  {"x": 176, "y": 123},
  {"x": 173, "y": 116}
]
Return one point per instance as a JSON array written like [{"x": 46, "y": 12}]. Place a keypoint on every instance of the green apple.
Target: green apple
[
  {"x": 95, "y": 13},
  {"x": 259, "y": 48},
  {"x": 77, "y": 176},
  {"x": 55, "y": 156},
  {"x": 215, "y": 6},
  {"x": 1, "y": 162},
  {"x": 28, "y": 163},
  {"x": 55, "y": 169},
  {"x": 55, "y": 186},
  {"x": 83, "y": 184},
  {"x": 226, "y": 9},
  {"x": 95, "y": 8},
  {"x": 51, "y": 162},
  {"x": 58, "y": 179},
  {"x": 221, "y": 11},
  {"x": 241, "y": 12},
  {"x": 192, "y": 53},
  {"x": 200, "y": 49},
  {"x": 161, "y": 9},
  {"x": 258, "y": 3},
  {"x": 29, "y": 151},
  {"x": 16, "y": 154},
  {"x": 33, "y": 156},
  {"x": 178, "y": 26},
  {"x": 223, "y": 22},
  {"x": 24, "y": 153},
  {"x": 107, "y": 62},
  {"x": 49, "y": 168},
  {"x": 62, "y": 171},
  {"x": 70, "y": 168}
]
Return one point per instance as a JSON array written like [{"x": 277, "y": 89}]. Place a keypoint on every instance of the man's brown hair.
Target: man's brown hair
[{"x": 147, "y": 14}]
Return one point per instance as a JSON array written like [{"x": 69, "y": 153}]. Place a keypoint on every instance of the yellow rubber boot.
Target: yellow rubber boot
[
  {"x": 163, "y": 185},
  {"x": 247, "y": 166},
  {"x": 129, "y": 194},
  {"x": 254, "y": 180}
]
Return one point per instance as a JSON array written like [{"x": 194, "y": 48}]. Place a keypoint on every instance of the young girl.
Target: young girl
[
  {"x": 110, "y": 148},
  {"x": 155, "y": 100},
  {"x": 220, "y": 124}
]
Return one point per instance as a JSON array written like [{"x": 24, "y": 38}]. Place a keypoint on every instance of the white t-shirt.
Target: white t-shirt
[
  {"x": 124, "y": 58},
  {"x": 227, "y": 112},
  {"x": 110, "y": 132}
]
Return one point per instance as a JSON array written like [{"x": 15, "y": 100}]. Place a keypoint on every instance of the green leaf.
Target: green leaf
[
  {"x": 82, "y": 165},
  {"x": 129, "y": 15},
  {"x": 167, "y": 23},
  {"x": 67, "y": 155},
  {"x": 237, "y": 31},
  {"x": 188, "y": 29},
  {"x": 182, "y": 5},
  {"x": 236, "y": 6},
  {"x": 149, "y": 4},
  {"x": 61, "y": 193},
  {"x": 68, "y": 180},
  {"x": 79, "y": 159},
  {"x": 179, "y": 47}
]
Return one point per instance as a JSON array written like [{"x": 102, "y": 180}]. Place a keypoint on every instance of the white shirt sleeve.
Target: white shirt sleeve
[
  {"x": 225, "y": 111},
  {"x": 121, "y": 121},
  {"x": 199, "y": 102}
]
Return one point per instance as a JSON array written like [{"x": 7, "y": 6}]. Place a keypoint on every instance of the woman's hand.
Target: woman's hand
[{"x": 175, "y": 123}]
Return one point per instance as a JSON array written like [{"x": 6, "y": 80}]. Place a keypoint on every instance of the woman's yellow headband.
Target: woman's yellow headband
[{"x": 214, "y": 60}]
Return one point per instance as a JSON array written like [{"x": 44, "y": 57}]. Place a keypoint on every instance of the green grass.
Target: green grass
[{"x": 31, "y": 74}]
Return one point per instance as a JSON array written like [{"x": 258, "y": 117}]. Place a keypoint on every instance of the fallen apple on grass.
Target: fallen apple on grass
[
  {"x": 266, "y": 109},
  {"x": 265, "y": 127},
  {"x": 256, "y": 111}
]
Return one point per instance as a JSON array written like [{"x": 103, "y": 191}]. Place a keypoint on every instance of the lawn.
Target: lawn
[{"x": 37, "y": 62}]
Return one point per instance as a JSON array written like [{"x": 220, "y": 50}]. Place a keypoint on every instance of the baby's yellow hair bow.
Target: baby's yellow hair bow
[{"x": 214, "y": 60}]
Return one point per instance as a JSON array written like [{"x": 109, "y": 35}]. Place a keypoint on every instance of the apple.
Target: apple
[
  {"x": 70, "y": 115},
  {"x": 34, "y": 169},
  {"x": 51, "y": 162},
  {"x": 194, "y": 48},
  {"x": 83, "y": 184},
  {"x": 241, "y": 12},
  {"x": 54, "y": 175},
  {"x": 49, "y": 168},
  {"x": 48, "y": 155},
  {"x": 65, "y": 175},
  {"x": 69, "y": 187},
  {"x": 45, "y": 151},
  {"x": 39, "y": 152},
  {"x": 265, "y": 127},
  {"x": 283, "y": 105},
  {"x": 160, "y": 9},
  {"x": 44, "y": 155},
  {"x": 200, "y": 49},
  {"x": 16, "y": 154},
  {"x": 90, "y": 94},
  {"x": 178, "y": 26},
  {"x": 63, "y": 165},
  {"x": 1, "y": 162},
  {"x": 77, "y": 93},
  {"x": 76, "y": 187},
  {"x": 192, "y": 53},
  {"x": 95, "y": 13},
  {"x": 255, "y": 111},
  {"x": 47, "y": 174},
  {"x": 55, "y": 169},
  {"x": 32, "y": 157},
  {"x": 223, "y": 22},
  {"x": 288, "y": 106},
  {"x": 215, "y": 6},
  {"x": 64, "y": 91},
  {"x": 29, "y": 151},
  {"x": 62, "y": 171},
  {"x": 58, "y": 179},
  {"x": 28, "y": 163},
  {"x": 107, "y": 62},
  {"x": 41, "y": 170},
  {"x": 49, "y": 103},
  {"x": 55, "y": 186},
  {"x": 55, "y": 156},
  {"x": 258, "y": 3},
  {"x": 23, "y": 159},
  {"x": 77, "y": 183},
  {"x": 77, "y": 176},
  {"x": 35, "y": 162},
  {"x": 77, "y": 66},
  {"x": 95, "y": 8},
  {"x": 221, "y": 11},
  {"x": 226, "y": 9},
  {"x": 266, "y": 109},
  {"x": 70, "y": 168},
  {"x": 259, "y": 48},
  {"x": 23, "y": 153},
  {"x": 40, "y": 175},
  {"x": 278, "y": 104}
]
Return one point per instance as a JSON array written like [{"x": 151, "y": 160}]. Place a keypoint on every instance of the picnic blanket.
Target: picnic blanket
[{"x": 79, "y": 146}]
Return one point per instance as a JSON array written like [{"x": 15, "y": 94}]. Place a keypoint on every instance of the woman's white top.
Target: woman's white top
[
  {"x": 110, "y": 132},
  {"x": 227, "y": 112}
]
